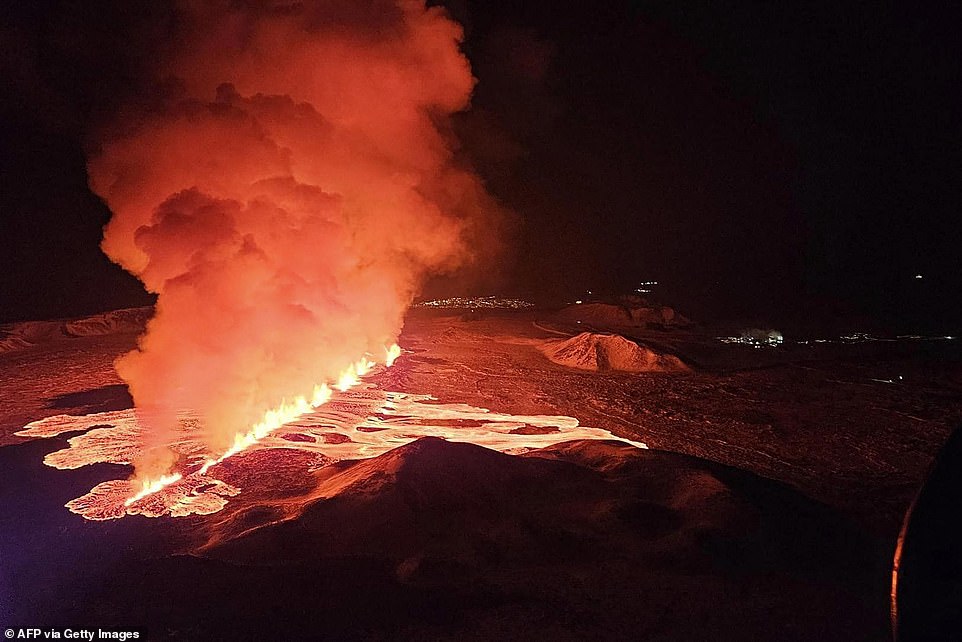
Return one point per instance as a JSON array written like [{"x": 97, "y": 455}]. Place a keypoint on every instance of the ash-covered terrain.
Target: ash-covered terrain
[{"x": 766, "y": 506}]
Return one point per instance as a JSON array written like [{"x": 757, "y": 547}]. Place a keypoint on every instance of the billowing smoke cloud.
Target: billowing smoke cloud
[{"x": 285, "y": 194}]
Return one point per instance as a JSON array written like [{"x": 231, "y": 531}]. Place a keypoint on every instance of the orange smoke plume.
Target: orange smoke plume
[{"x": 285, "y": 190}]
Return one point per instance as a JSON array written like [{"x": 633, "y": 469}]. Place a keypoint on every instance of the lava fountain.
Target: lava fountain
[
  {"x": 273, "y": 419},
  {"x": 286, "y": 176}
]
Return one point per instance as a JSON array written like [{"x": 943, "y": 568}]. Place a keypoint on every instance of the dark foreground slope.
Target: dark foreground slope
[{"x": 440, "y": 540}]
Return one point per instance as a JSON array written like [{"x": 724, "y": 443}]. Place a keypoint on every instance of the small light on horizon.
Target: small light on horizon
[{"x": 918, "y": 276}]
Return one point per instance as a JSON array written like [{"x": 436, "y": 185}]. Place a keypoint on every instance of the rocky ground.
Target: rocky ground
[
  {"x": 766, "y": 509},
  {"x": 821, "y": 418}
]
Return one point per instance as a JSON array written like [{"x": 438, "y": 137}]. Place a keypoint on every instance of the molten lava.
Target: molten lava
[
  {"x": 273, "y": 419},
  {"x": 359, "y": 423},
  {"x": 152, "y": 486}
]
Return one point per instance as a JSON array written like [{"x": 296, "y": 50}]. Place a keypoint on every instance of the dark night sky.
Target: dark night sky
[{"x": 765, "y": 162}]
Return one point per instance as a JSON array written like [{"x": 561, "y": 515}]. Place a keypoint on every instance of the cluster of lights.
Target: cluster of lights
[
  {"x": 490, "y": 302},
  {"x": 864, "y": 337},
  {"x": 775, "y": 338},
  {"x": 645, "y": 287},
  {"x": 756, "y": 339}
]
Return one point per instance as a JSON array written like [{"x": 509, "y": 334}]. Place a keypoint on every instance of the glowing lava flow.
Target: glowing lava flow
[
  {"x": 362, "y": 423},
  {"x": 330, "y": 426},
  {"x": 274, "y": 419},
  {"x": 151, "y": 487}
]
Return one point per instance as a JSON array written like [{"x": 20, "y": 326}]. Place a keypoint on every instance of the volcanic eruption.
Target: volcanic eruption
[{"x": 284, "y": 182}]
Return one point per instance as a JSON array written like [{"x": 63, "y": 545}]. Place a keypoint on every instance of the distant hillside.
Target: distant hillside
[
  {"x": 602, "y": 352},
  {"x": 27, "y": 334}
]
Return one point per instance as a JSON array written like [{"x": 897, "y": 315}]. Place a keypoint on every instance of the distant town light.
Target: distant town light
[
  {"x": 918, "y": 276},
  {"x": 756, "y": 338},
  {"x": 753, "y": 338},
  {"x": 476, "y": 302},
  {"x": 578, "y": 301}
]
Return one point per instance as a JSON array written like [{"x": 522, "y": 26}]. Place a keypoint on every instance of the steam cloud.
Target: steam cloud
[{"x": 285, "y": 195}]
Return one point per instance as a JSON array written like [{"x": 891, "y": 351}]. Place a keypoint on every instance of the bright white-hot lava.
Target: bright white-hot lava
[
  {"x": 151, "y": 486},
  {"x": 392, "y": 354}
]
